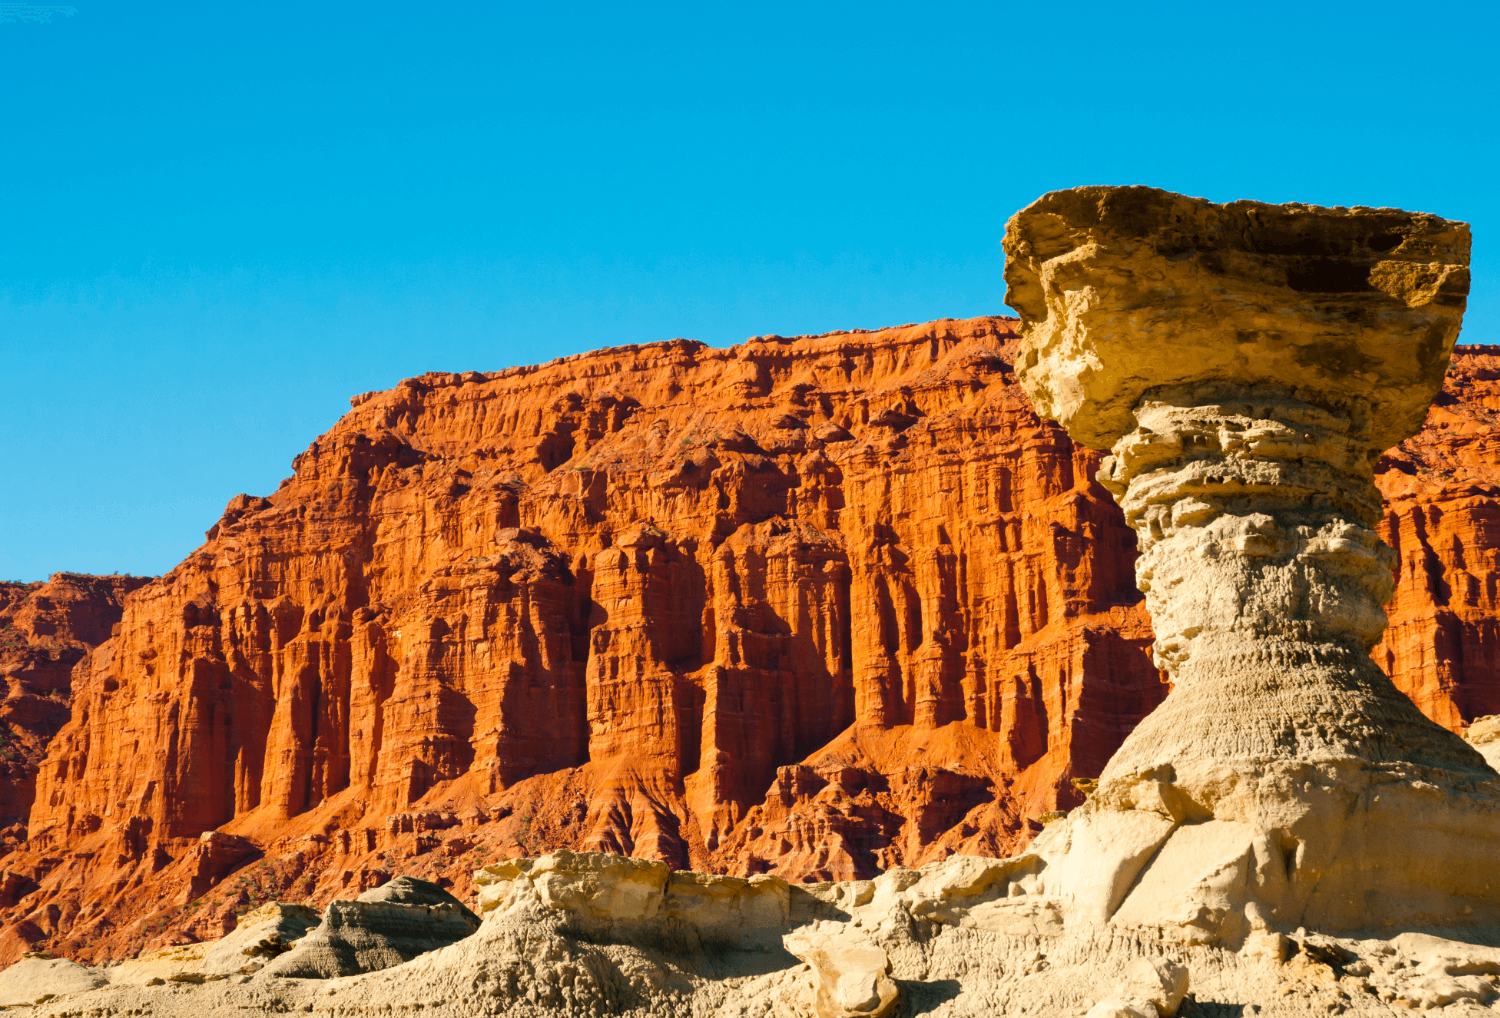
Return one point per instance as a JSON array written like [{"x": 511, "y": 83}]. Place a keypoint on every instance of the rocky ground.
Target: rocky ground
[{"x": 587, "y": 936}]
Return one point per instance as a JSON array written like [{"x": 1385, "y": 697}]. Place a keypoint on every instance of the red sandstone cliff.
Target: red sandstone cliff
[
  {"x": 45, "y": 629},
  {"x": 814, "y": 606},
  {"x": 1442, "y": 493}
]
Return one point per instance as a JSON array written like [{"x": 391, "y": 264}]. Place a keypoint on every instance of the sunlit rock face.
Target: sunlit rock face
[
  {"x": 823, "y": 607},
  {"x": 1442, "y": 518},
  {"x": 46, "y": 629},
  {"x": 814, "y": 606},
  {"x": 1124, "y": 290},
  {"x": 1285, "y": 781},
  {"x": 809, "y": 607}
]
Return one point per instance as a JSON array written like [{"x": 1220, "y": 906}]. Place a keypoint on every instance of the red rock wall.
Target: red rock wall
[
  {"x": 45, "y": 629},
  {"x": 815, "y": 607},
  {"x": 1442, "y": 493}
]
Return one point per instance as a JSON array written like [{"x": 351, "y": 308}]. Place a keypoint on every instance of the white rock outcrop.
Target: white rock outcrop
[
  {"x": 384, "y": 926},
  {"x": 261, "y": 935},
  {"x": 38, "y": 980},
  {"x": 1247, "y": 364},
  {"x": 852, "y": 974}
]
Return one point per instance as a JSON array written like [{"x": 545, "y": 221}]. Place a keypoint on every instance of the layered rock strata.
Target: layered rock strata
[
  {"x": 1284, "y": 785},
  {"x": 262, "y": 935},
  {"x": 875, "y": 795},
  {"x": 820, "y": 605},
  {"x": 46, "y": 629},
  {"x": 1442, "y": 518},
  {"x": 383, "y": 927},
  {"x": 1248, "y": 364}
]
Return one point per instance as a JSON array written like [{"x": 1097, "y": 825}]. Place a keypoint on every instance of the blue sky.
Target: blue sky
[{"x": 220, "y": 221}]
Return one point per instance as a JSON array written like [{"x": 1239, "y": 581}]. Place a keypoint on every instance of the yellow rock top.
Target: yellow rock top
[{"x": 1124, "y": 289}]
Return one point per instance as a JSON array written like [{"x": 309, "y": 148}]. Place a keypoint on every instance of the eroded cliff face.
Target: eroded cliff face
[
  {"x": 45, "y": 629},
  {"x": 811, "y": 606},
  {"x": 816, "y": 605},
  {"x": 1442, "y": 516}
]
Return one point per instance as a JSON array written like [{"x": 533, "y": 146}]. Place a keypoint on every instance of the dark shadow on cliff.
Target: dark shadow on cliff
[{"x": 924, "y": 997}]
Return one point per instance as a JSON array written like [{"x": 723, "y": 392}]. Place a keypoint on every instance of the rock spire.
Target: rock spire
[{"x": 1247, "y": 364}]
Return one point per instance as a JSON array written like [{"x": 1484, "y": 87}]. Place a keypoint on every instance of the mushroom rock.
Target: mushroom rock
[{"x": 1247, "y": 364}]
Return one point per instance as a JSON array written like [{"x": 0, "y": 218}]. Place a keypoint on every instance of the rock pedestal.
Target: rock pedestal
[{"x": 1247, "y": 364}]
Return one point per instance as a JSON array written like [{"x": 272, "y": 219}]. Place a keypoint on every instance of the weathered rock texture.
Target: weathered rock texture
[
  {"x": 529, "y": 574},
  {"x": 1442, "y": 517},
  {"x": 1248, "y": 364},
  {"x": 579, "y": 935},
  {"x": 263, "y": 935},
  {"x": 39, "y": 979},
  {"x": 383, "y": 927},
  {"x": 45, "y": 630},
  {"x": 820, "y": 605}
]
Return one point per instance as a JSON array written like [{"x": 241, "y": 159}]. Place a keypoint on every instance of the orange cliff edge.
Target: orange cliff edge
[{"x": 815, "y": 606}]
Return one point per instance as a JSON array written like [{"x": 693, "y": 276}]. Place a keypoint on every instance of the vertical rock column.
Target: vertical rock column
[
  {"x": 1247, "y": 364},
  {"x": 1255, "y": 511}
]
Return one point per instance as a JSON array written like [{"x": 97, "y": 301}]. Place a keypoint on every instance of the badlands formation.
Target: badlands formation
[{"x": 415, "y": 615}]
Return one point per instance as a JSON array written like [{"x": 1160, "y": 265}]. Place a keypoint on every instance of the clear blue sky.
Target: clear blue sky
[{"x": 218, "y": 222}]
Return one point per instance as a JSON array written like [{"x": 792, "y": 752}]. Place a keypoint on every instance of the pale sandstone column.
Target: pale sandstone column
[{"x": 1247, "y": 364}]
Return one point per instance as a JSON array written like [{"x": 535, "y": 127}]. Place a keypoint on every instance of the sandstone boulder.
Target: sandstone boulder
[
  {"x": 1484, "y": 735},
  {"x": 1159, "y": 982},
  {"x": 1119, "y": 1007},
  {"x": 852, "y": 974}
]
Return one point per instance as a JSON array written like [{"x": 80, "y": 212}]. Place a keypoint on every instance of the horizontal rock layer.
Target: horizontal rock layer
[{"x": 813, "y": 607}]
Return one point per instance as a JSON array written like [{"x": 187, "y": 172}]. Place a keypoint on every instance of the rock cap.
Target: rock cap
[{"x": 1125, "y": 289}]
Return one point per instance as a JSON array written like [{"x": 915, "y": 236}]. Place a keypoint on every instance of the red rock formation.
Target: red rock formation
[
  {"x": 818, "y": 605},
  {"x": 45, "y": 629},
  {"x": 1442, "y": 493},
  {"x": 814, "y": 606}
]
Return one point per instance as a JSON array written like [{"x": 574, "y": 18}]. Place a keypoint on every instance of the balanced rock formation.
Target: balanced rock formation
[
  {"x": 1248, "y": 364},
  {"x": 1285, "y": 785}
]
